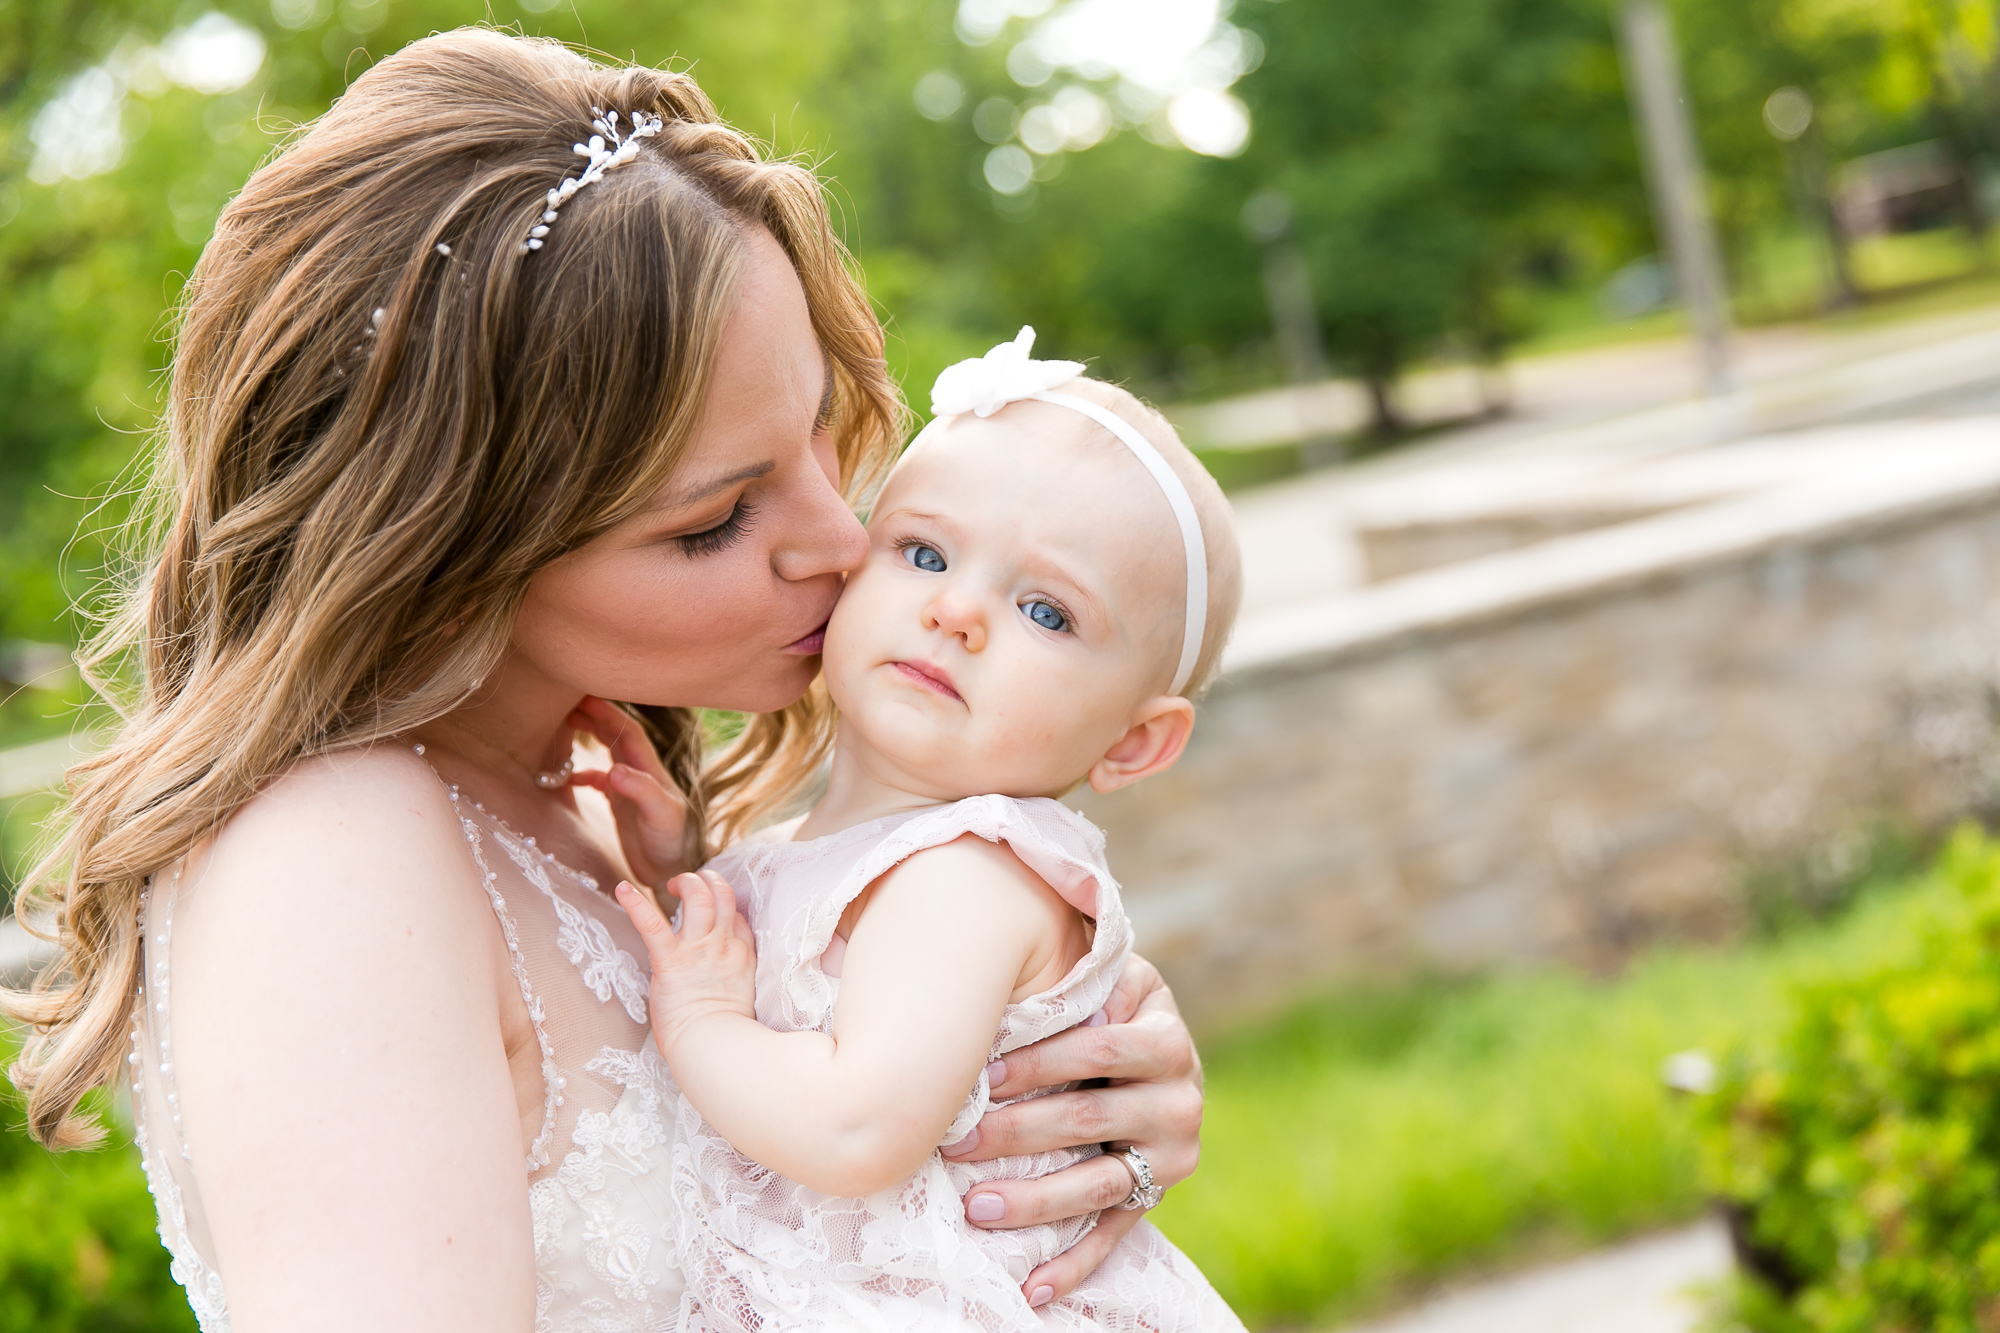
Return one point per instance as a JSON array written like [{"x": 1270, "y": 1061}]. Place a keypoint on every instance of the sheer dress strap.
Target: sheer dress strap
[
  {"x": 552, "y": 1076},
  {"x": 156, "y": 1115}
]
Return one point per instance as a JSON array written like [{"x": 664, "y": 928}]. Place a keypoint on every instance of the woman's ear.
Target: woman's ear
[{"x": 1159, "y": 732}]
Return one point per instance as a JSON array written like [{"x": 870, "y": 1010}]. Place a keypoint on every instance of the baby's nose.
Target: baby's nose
[{"x": 957, "y": 614}]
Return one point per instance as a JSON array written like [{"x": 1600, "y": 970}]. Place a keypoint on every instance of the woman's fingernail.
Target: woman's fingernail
[
  {"x": 1097, "y": 1020},
  {"x": 1041, "y": 1296},
  {"x": 963, "y": 1146},
  {"x": 996, "y": 1073},
  {"x": 986, "y": 1208}
]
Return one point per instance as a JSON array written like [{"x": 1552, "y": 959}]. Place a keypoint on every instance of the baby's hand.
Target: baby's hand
[
  {"x": 708, "y": 967},
  {"x": 652, "y": 817}
]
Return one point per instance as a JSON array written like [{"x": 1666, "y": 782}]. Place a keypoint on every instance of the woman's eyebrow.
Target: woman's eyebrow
[{"x": 702, "y": 492}]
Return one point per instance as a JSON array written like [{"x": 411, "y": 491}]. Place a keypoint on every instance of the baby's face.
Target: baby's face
[{"x": 1022, "y": 597}]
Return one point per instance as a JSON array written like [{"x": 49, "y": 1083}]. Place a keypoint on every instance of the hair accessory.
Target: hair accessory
[
  {"x": 984, "y": 385},
  {"x": 602, "y": 157}
]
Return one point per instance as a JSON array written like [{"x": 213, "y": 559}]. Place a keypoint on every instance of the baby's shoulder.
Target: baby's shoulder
[{"x": 1037, "y": 837}]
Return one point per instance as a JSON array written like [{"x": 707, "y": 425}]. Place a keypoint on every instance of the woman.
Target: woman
[{"x": 450, "y": 459}]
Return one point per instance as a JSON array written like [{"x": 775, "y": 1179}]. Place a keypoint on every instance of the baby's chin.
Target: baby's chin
[{"x": 942, "y": 769}]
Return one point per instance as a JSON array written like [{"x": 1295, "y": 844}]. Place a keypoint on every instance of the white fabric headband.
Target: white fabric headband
[{"x": 984, "y": 385}]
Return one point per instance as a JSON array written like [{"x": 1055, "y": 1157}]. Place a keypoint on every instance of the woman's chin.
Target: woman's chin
[{"x": 768, "y": 693}]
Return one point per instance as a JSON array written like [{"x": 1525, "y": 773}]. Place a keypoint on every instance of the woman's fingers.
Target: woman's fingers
[
  {"x": 1139, "y": 981},
  {"x": 1154, "y": 1045},
  {"x": 1061, "y": 1275},
  {"x": 625, "y": 738},
  {"x": 1000, "y": 1205},
  {"x": 1164, "y": 1119}
]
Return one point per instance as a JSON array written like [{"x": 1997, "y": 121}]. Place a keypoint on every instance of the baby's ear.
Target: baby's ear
[{"x": 1159, "y": 732}]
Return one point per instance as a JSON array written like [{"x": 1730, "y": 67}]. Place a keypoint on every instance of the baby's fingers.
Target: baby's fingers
[
  {"x": 651, "y": 923},
  {"x": 725, "y": 897},
  {"x": 698, "y": 905}
]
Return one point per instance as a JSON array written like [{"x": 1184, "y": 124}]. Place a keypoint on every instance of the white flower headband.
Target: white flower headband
[
  {"x": 602, "y": 157},
  {"x": 984, "y": 385}
]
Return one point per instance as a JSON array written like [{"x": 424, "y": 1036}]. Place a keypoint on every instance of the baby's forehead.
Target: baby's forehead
[{"x": 1051, "y": 479}]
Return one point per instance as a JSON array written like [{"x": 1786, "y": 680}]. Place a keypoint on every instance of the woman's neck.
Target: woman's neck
[{"x": 519, "y": 718}]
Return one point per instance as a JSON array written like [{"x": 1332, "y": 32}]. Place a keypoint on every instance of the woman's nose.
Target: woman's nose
[
  {"x": 955, "y": 612},
  {"x": 820, "y": 535}
]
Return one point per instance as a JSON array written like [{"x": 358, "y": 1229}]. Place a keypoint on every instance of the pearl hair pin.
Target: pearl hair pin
[{"x": 606, "y": 149}]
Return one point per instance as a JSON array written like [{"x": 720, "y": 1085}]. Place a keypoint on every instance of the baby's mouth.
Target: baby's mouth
[{"x": 929, "y": 677}]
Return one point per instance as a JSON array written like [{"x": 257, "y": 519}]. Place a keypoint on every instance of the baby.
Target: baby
[{"x": 1050, "y": 580}]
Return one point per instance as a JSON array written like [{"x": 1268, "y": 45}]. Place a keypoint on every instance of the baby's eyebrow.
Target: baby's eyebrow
[{"x": 1093, "y": 605}]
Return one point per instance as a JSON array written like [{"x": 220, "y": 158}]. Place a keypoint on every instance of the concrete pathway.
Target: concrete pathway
[
  {"x": 1652, "y": 1285},
  {"x": 1304, "y": 538},
  {"x": 1790, "y": 374}
]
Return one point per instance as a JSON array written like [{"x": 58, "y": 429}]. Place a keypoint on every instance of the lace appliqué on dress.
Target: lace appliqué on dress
[
  {"x": 584, "y": 1211},
  {"x": 606, "y": 968}
]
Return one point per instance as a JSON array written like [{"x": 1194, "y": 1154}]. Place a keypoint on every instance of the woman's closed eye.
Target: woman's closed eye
[
  {"x": 722, "y": 536},
  {"x": 924, "y": 557},
  {"x": 1047, "y": 614}
]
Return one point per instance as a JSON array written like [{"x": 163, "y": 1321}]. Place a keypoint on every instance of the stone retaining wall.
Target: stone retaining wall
[{"x": 1566, "y": 750}]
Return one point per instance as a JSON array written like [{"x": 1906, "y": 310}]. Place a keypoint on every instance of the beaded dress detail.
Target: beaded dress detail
[
  {"x": 595, "y": 1148},
  {"x": 763, "y": 1252}
]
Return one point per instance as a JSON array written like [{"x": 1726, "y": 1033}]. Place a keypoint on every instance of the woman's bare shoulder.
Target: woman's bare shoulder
[{"x": 363, "y": 828}]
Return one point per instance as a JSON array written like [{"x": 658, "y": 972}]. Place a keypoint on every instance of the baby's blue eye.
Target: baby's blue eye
[
  {"x": 924, "y": 558},
  {"x": 1047, "y": 615}
]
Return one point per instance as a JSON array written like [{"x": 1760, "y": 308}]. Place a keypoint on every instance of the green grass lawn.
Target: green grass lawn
[{"x": 1378, "y": 1140}]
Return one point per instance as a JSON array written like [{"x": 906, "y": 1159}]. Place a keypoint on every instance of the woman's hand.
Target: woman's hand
[
  {"x": 652, "y": 817},
  {"x": 1152, "y": 1102}
]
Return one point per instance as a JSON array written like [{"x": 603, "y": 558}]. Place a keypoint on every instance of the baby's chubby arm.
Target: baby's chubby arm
[{"x": 945, "y": 940}]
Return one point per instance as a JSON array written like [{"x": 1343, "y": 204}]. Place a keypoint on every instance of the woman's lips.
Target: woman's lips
[
  {"x": 810, "y": 645},
  {"x": 930, "y": 677}
]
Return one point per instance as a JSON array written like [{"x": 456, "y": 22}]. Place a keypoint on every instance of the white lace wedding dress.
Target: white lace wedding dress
[
  {"x": 762, "y": 1252},
  {"x": 597, "y": 1171}
]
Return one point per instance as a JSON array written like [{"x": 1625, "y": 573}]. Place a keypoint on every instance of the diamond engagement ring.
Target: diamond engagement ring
[{"x": 1145, "y": 1192}]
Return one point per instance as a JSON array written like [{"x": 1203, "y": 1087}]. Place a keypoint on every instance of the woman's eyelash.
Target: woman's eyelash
[{"x": 723, "y": 535}]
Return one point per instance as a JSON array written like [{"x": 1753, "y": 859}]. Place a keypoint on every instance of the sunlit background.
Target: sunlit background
[{"x": 1619, "y": 479}]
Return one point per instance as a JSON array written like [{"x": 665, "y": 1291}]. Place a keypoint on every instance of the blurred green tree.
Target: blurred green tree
[{"x": 1442, "y": 157}]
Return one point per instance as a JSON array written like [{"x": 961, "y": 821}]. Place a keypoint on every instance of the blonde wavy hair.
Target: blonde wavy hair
[{"x": 384, "y": 417}]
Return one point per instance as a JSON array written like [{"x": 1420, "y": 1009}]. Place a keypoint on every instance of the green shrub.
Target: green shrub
[
  {"x": 79, "y": 1252},
  {"x": 1861, "y": 1149}
]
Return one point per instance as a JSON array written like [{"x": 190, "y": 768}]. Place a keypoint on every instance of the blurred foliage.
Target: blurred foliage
[
  {"x": 1445, "y": 160},
  {"x": 79, "y": 1252},
  {"x": 1366, "y": 1145},
  {"x": 1861, "y": 1148},
  {"x": 1827, "y": 877}
]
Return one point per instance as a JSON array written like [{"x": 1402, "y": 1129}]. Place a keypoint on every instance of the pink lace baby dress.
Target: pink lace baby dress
[{"x": 760, "y": 1251}]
